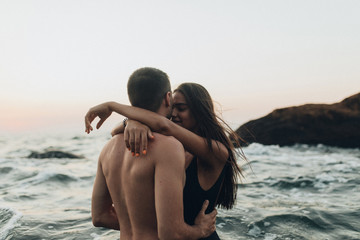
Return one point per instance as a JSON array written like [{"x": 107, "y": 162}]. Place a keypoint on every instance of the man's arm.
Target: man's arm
[
  {"x": 102, "y": 211},
  {"x": 169, "y": 182}
]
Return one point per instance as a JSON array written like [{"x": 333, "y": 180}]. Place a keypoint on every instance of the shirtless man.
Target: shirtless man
[{"x": 143, "y": 196}]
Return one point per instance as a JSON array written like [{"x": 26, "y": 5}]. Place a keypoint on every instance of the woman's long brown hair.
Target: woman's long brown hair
[{"x": 212, "y": 127}]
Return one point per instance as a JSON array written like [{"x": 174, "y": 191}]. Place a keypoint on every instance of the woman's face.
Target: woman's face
[{"x": 181, "y": 113}]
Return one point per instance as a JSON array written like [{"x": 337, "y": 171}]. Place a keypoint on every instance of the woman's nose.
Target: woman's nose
[{"x": 174, "y": 113}]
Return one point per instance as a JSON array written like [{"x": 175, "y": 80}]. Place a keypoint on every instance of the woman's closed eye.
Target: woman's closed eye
[{"x": 180, "y": 107}]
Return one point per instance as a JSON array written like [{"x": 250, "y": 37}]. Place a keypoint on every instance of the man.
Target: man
[{"x": 142, "y": 195}]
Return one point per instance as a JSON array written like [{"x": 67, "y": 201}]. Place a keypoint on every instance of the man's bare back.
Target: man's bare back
[{"x": 146, "y": 191}]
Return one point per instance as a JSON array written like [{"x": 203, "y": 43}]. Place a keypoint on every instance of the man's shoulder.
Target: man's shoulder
[
  {"x": 117, "y": 137},
  {"x": 162, "y": 140},
  {"x": 167, "y": 149},
  {"x": 117, "y": 140}
]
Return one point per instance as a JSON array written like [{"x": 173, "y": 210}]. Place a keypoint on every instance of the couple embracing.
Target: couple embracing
[{"x": 169, "y": 164}]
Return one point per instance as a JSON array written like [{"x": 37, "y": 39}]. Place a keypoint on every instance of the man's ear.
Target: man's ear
[{"x": 168, "y": 98}]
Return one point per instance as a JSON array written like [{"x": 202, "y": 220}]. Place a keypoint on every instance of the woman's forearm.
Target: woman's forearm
[{"x": 154, "y": 120}]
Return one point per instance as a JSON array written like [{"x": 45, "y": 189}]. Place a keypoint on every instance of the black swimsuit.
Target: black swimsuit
[{"x": 194, "y": 195}]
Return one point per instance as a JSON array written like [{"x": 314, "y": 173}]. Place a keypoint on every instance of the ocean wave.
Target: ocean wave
[
  {"x": 8, "y": 221},
  {"x": 5, "y": 170},
  {"x": 61, "y": 178},
  {"x": 274, "y": 150},
  {"x": 54, "y": 177},
  {"x": 317, "y": 182},
  {"x": 48, "y": 177},
  {"x": 293, "y": 183},
  {"x": 286, "y": 226},
  {"x": 52, "y": 154}
]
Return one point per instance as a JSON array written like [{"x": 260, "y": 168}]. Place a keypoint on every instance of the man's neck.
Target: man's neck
[{"x": 163, "y": 112}]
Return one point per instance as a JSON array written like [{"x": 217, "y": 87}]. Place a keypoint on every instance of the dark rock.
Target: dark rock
[
  {"x": 329, "y": 124},
  {"x": 52, "y": 154}
]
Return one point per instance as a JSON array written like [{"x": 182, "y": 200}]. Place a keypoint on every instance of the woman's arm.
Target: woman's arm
[
  {"x": 197, "y": 145},
  {"x": 104, "y": 110},
  {"x": 193, "y": 143}
]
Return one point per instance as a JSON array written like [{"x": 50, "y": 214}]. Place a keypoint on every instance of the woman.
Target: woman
[{"x": 212, "y": 170}]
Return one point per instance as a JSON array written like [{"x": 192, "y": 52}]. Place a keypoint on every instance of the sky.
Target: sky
[{"x": 59, "y": 58}]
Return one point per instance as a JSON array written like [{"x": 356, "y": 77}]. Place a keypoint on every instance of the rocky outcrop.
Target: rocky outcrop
[
  {"x": 330, "y": 124},
  {"x": 52, "y": 154}
]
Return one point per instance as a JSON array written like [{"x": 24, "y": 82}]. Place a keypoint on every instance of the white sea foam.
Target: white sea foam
[
  {"x": 11, "y": 223},
  {"x": 324, "y": 177},
  {"x": 270, "y": 236},
  {"x": 220, "y": 225},
  {"x": 254, "y": 230},
  {"x": 95, "y": 236}
]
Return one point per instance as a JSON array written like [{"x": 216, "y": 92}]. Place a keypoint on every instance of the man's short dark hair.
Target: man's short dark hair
[{"x": 147, "y": 88}]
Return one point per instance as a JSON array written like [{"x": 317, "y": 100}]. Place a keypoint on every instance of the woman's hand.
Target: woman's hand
[
  {"x": 103, "y": 111},
  {"x": 206, "y": 222},
  {"x": 136, "y": 137}
]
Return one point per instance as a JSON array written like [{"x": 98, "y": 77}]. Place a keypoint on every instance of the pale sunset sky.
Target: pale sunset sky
[{"x": 59, "y": 58}]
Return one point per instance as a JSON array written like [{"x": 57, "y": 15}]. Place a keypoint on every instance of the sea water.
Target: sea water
[{"x": 297, "y": 192}]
